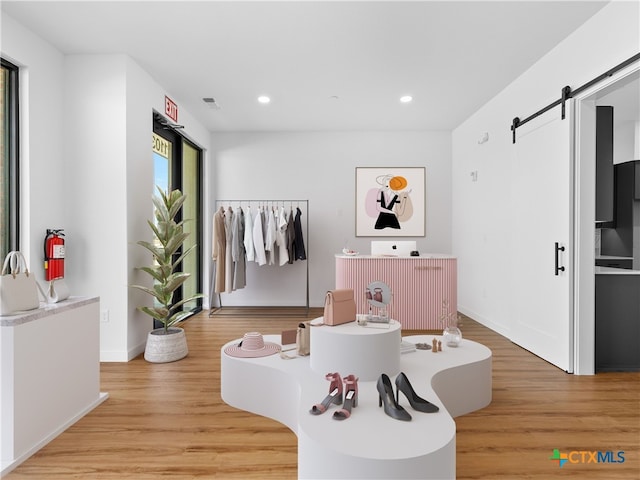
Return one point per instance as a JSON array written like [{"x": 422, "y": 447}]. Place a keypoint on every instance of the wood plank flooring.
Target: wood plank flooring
[{"x": 168, "y": 421}]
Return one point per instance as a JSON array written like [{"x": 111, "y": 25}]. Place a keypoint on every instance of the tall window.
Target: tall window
[
  {"x": 178, "y": 164},
  {"x": 8, "y": 159}
]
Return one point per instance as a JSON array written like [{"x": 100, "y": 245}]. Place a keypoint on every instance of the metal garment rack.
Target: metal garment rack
[
  {"x": 268, "y": 311},
  {"x": 567, "y": 93}
]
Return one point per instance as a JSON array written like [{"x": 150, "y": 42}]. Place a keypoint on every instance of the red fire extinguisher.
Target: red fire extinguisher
[{"x": 54, "y": 254}]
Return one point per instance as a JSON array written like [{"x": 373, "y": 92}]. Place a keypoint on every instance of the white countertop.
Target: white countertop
[
  {"x": 45, "y": 310},
  {"x": 615, "y": 271},
  {"x": 437, "y": 256}
]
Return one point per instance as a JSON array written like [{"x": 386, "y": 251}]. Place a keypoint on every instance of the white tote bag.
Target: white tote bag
[
  {"x": 18, "y": 288},
  {"x": 56, "y": 291}
]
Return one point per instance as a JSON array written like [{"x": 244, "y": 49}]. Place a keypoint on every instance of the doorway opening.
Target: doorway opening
[
  {"x": 178, "y": 165},
  {"x": 604, "y": 93}
]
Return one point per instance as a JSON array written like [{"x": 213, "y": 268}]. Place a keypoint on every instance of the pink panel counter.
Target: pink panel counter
[{"x": 419, "y": 285}]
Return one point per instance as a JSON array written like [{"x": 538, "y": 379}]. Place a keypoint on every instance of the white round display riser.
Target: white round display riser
[
  {"x": 166, "y": 348},
  {"x": 350, "y": 348}
]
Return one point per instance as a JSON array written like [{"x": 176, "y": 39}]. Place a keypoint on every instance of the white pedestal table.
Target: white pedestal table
[{"x": 369, "y": 444}]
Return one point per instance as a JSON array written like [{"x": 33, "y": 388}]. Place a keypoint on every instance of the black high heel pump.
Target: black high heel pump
[
  {"x": 417, "y": 403},
  {"x": 391, "y": 406}
]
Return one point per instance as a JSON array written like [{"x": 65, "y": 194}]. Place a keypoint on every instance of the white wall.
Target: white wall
[
  {"x": 42, "y": 110},
  {"x": 111, "y": 100},
  {"x": 86, "y": 130},
  {"x": 96, "y": 160},
  {"x": 482, "y": 211},
  {"x": 320, "y": 167}
]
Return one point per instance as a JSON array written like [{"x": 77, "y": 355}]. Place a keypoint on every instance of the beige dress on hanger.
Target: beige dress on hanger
[{"x": 219, "y": 249}]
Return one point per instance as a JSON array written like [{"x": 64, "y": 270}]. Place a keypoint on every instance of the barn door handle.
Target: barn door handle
[{"x": 558, "y": 267}]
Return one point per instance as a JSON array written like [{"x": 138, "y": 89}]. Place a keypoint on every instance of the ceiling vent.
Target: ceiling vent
[{"x": 211, "y": 103}]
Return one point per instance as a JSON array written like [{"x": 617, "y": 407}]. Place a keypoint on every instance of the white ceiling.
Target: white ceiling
[{"x": 452, "y": 57}]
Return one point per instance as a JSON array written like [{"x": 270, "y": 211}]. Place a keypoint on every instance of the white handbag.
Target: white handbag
[
  {"x": 57, "y": 291},
  {"x": 18, "y": 287}
]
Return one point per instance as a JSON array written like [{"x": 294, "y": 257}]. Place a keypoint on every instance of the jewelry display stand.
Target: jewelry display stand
[{"x": 369, "y": 444}]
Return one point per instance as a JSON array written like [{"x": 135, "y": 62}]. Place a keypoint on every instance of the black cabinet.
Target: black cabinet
[
  {"x": 617, "y": 322},
  {"x": 604, "y": 166},
  {"x": 618, "y": 241},
  {"x": 626, "y": 263}
]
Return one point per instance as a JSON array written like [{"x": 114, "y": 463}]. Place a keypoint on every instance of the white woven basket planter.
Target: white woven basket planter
[{"x": 163, "y": 348}]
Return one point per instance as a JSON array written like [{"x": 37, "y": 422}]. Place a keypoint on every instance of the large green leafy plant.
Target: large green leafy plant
[{"x": 169, "y": 236}]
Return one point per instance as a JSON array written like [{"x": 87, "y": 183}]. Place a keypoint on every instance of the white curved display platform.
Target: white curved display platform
[{"x": 369, "y": 444}]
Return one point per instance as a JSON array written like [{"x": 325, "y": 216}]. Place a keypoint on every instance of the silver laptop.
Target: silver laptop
[{"x": 392, "y": 248}]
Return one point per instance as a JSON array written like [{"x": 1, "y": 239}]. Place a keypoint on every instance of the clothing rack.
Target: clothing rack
[
  {"x": 266, "y": 311},
  {"x": 567, "y": 93}
]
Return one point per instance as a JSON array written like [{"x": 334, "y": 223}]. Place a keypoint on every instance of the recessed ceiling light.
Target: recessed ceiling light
[
  {"x": 264, "y": 99},
  {"x": 406, "y": 99}
]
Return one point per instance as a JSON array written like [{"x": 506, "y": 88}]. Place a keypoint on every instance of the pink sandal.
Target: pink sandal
[
  {"x": 350, "y": 398},
  {"x": 335, "y": 394}
]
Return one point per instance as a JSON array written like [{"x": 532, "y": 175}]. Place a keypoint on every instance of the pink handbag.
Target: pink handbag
[{"x": 339, "y": 307}]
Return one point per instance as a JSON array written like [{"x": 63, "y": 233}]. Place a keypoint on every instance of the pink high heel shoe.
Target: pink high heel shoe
[
  {"x": 350, "y": 398},
  {"x": 335, "y": 394}
]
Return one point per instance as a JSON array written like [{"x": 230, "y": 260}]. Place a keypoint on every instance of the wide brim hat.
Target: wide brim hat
[{"x": 252, "y": 346}]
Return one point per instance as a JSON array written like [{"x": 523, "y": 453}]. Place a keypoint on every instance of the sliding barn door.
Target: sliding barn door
[{"x": 541, "y": 300}]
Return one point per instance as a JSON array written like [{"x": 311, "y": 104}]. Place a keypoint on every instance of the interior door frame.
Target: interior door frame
[
  {"x": 584, "y": 220},
  {"x": 178, "y": 139}
]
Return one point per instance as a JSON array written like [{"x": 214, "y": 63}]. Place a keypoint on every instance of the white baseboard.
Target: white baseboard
[
  {"x": 137, "y": 350},
  {"x": 107, "y": 356},
  {"x": 113, "y": 356},
  {"x": 10, "y": 465},
  {"x": 484, "y": 321}
]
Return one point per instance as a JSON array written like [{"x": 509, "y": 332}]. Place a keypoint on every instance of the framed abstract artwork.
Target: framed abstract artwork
[{"x": 390, "y": 201}]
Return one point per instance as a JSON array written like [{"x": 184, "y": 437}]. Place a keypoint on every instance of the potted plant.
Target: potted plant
[{"x": 166, "y": 344}]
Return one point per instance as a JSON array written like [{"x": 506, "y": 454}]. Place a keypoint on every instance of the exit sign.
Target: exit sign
[{"x": 171, "y": 108}]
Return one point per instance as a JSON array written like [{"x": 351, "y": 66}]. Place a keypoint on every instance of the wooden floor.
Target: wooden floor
[{"x": 168, "y": 421}]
